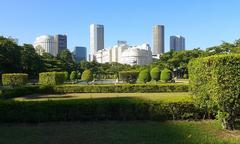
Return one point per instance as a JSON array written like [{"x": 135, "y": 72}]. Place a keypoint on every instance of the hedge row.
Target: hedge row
[
  {"x": 61, "y": 89},
  {"x": 96, "y": 110}
]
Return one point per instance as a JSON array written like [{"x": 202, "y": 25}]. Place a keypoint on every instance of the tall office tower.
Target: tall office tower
[
  {"x": 45, "y": 44},
  {"x": 177, "y": 43},
  {"x": 61, "y": 42},
  {"x": 96, "y": 40},
  {"x": 158, "y": 39},
  {"x": 80, "y": 54}
]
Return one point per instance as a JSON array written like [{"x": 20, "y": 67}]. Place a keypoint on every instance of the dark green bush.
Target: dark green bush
[
  {"x": 87, "y": 76},
  {"x": 215, "y": 82},
  {"x": 155, "y": 74},
  {"x": 73, "y": 76},
  {"x": 166, "y": 75},
  {"x": 96, "y": 110},
  {"x": 14, "y": 79},
  {"x": 66, "y": 76},
  {"x": 144, "y": 76},
  {"x": 51, "y": 78},
  {"x": 129, "y": 76}
]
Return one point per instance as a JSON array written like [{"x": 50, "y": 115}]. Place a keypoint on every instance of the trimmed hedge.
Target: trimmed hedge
[
  {"x": 52, "y": 78},
  {"x": 61, "y": 89},
  {"x": 123, "y": 88},
  {"x": 215, "y": 82},
  {"x": 155, "y": 74},
  {"x": 96, "y": 110},
  {"x": 87, "y": 76},
  {"x": 14, "y": 79}
]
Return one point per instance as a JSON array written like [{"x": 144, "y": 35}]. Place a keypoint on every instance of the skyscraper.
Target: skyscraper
[
  {"x": 80, "y": 54},
  {"x": 96, "y": 39},
  {"x": 177, "y": 43},
  {"x": 158, "y": 39},
  {"x": 45, "y": 44},
  {"x": 61, "y": 42}
]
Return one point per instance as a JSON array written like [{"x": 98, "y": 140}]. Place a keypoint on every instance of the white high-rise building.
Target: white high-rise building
[
  {"x": 177, "y": 43},
  {"x": 125, "y": 54},
  {"x": 45, "y": 44},
  {"x": 96, "y": 40}
]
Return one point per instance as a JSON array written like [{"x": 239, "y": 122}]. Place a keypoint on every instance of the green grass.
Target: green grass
[
  {"x": 134, "y": 132},
  {"x": 166, "y": 97}
]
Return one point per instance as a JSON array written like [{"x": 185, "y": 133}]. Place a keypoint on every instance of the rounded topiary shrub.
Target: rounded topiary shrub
[
  {"x": 66, "y": 76},
  {"x": 166, "y": 75},
  {"x": 155, "y": 74},
  {"x": 144, "y": 76},
  {"x": 14, "y": 79},
  {"x": 87, "y": 76},
  {"x": 73, "y": 76}
]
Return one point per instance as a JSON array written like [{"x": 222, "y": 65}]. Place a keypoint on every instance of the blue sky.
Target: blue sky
[{"x": 204, "y": 23}]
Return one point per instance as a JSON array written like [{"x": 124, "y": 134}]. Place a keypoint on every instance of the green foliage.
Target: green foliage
[
  {"x": 155, "y": 74},
  {"x": 73, "y": 76},
  {"x": 144, "y": 76},
  {"x": 166, "y": 75},
  {"x": 79, "y": 75},
  {"x": 128, "y": 76},
  {"x": 51, "y": 78},
  {"x": 96, "y": 109},
  {"x": 66, "y": 76},
  {"x": 215, "y": 82},
  {"x": 87, "y": 76},
  {"x": 14, "y": 79}
]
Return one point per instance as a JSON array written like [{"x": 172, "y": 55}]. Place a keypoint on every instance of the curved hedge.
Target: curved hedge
[{"x": 95, "y": 110}]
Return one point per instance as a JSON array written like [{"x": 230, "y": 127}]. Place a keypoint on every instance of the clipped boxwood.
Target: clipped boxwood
[
  {"x": 87, "y": 76},
  {"x": 166, "y": 75},
  {"x": 155, "y": 74},
  {"x": 14, "y": 79},
  {"x": 51, "y": 78},
  {"x": 144, "y": 76},
  {"x": 215, "y": 82},
  {"x": 96, "y": 110}
]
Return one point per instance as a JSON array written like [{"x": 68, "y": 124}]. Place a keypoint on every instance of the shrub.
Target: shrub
[
  {"x": 155, "y": 74},
  {"x": 66, "y": 76},
  {"x": 215, "y": 82},
  {"x": 128, "y": 76},
  {"x": 73, "y": 76},
  {"x": 96, "y": 110},
  {"x": 144, "y": 76},
  {"x": 79, "y": 75},
  {"x": 87, "y": 76},
  {"x": 14, "y": 79},
  {"x": 51, "y": 78},
  {"x": 166, "y": 75}
]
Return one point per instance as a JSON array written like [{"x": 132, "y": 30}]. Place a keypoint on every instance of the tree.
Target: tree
[
  {"x": 31, "y": 62},
  {"x": 128, "y": 76},
  {"x": 9, "y": 56},
  {"x": 155, "y": 74},
  {"x": 73, "y": 76},
  {"x": 166, "y": 75},
  {"x": 51, "y": 64},
  {"x": 144, "y": 76},
  {"x": 66, "y": 76},
  {"x": 66, "y": 60},
  {"x": 87, "y": 76}
]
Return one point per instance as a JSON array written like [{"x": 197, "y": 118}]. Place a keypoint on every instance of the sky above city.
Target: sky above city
[{"x": 204, "y": 23}]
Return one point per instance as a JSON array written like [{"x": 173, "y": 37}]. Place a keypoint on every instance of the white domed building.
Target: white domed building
[
  {"x": 137, "y": 55},
  {"x": 45, "y": 44}
]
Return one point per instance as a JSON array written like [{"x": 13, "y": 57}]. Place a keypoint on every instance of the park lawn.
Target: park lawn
[
  {"x": 161, "y": 97},
  {"x": 115, "y": 132}
]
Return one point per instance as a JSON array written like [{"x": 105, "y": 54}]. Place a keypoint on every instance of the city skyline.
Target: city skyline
[{"x": 203, "y": 24}]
